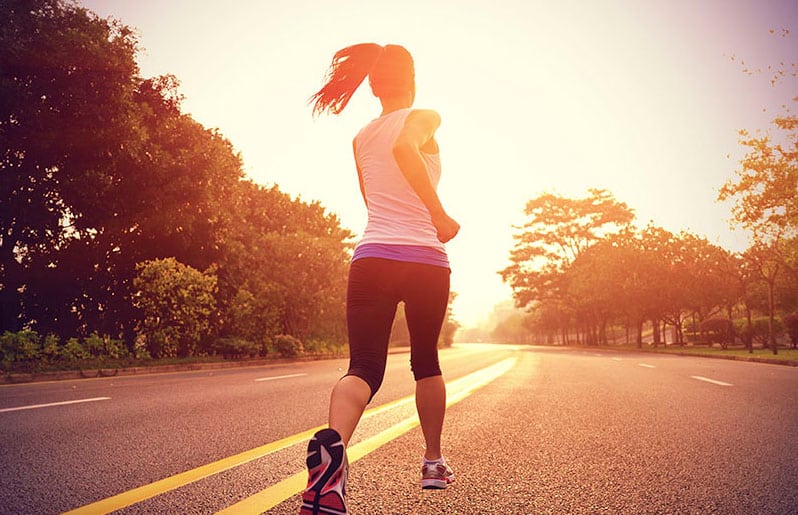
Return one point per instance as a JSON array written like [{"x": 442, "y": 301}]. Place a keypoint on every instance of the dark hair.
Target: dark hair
[{"x": 390, "y": 70}]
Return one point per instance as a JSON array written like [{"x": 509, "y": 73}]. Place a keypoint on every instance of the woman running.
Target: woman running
[{"x": 401, "y": 257}]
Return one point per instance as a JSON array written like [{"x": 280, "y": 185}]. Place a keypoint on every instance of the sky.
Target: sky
[{"x": 643, "y": 98}]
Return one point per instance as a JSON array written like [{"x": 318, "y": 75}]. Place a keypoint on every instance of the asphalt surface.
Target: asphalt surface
[{"x": 563, "y": 431}]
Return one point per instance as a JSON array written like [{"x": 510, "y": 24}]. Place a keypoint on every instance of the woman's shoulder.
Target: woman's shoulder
[
  {"x": 425, "y": 113},
  {"x": 428, "y": 118}
]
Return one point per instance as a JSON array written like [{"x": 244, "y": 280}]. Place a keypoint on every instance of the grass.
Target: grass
[
  {"x": 98, "y": 365},
  {"x": 785, "y": 354}
]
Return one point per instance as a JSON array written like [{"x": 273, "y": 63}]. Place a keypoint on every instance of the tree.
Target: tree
[
  {"x": 450, "y": 325},
  {"x": 292, "y": 256},
  {"x": 400, "y": 334},
  {"x": 766, "y": 204},
  {"x": 65, "y": 108},
  {"x": 102, "y": 171},
  {"x": 177, "y": 302},
  {"x": 557, "y": 230}
]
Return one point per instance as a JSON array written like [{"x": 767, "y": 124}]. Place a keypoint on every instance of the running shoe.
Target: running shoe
[
  {"x": 327, "y": 470},
  {"x": 436, "y": 475}
]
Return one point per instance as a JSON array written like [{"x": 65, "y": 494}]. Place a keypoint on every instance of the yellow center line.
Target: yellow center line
[
  {"x": 136, "y": 495},
  {"x": 276, "y": 494}
]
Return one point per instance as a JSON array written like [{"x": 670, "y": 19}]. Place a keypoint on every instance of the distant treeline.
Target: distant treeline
[{"x": 585, "y": 274}]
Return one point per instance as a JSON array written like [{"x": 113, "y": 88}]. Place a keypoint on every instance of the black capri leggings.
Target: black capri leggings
[{"x": 376, "y": 286}]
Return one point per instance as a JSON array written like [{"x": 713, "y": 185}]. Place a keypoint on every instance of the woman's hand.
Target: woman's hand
[{"x": 446, "y": 226}]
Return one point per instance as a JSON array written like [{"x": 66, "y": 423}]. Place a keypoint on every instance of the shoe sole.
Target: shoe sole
[
  {"x": 433, "y": 484},
  {"x": 326, "y": 441}
]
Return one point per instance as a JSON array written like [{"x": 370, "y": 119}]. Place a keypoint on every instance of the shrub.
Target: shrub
[
  {"x": 140, "y": 348},
  {"x": 115, "y": 349},
  {"x": 74, "y": 350},
  {"x": 94, "y": 345},
  {"x": 720, "y": 330},
  {"x": 690, "y": 331},
  {"x": 791, "y": 324},
  {"x": 288, "y": 346},
  {"x": 234, "y": 347},
  {"x": 760, "y": 329},
  {"x": 742, "y": 330},
  {"x": 51, "y": 349},
  {"x": 315, "y": 346},
  {"x": 20, "y": 347},
  {"x": 177, "y": 301}
]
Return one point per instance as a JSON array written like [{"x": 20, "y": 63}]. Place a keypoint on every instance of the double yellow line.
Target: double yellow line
[{"x": 457, "y": 390}]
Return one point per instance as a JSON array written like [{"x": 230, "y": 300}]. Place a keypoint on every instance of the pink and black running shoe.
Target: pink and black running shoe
[
  {"x": 327, "y": 470},
  {"x": 436, "y": 475}
]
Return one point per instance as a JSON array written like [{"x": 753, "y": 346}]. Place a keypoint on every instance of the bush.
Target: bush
[
  {"x": 791, "y": 324},
  {"x": 74, "y": 350},
  {"x": 94, "y": 345},
  {"x": 115, "y": 349},
  {"x": 288, "y": 346},
  {"x": 760, "y": 329},
  {"x": 20, "y": 347},
  {"x": 690, "y": 331},
  {"x": 742, "y": 330},
  {"x": 177, "y": 302},
  {"x": 234, "y": 347},
  {"x": 51, "y": 348},
  {"x": 316, "y": 346},
  {"x": 720, "y": 330}
]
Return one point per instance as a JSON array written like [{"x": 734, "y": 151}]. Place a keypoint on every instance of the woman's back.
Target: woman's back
[{"x": 396, "y": 214}]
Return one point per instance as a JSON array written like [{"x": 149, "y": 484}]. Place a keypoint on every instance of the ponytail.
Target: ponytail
[{"x": 348, "y": 69}]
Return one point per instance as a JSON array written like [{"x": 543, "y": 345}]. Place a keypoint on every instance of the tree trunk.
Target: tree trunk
[
  {"x": 771, "y": 317},
  {"x": 655, "y": 335},
  {"x": 749, "y": 339},
  {"x": 640, "y": 335}
]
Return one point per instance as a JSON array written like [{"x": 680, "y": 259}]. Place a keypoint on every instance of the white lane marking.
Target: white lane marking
[
  {"x": 272, "y": 378},
  {"x": 646, "y": 365},
  {"x": 713, "y": 381},
  {"x": 617, "y": 359},
  {"x": 63, "y": 403}
]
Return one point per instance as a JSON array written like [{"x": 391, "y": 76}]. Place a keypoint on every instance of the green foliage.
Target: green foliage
[
  {"x": 718, "y": 330},
  {"x": 75, "y": 351},
  {"x": 27, "y": 350},
  {"x": 102, "y": 172},
  {"x": 791, "y": 325},
  {"x": 177, "y": 301},
  {"x": 51, "y": 350},
  {"x": 288, "y": 346},
  {"x": 764, "y": 188},
  {"x": 556, "y": 232},
  {"x": 233, "y": 347},
  {"x": 744, "y": 331},
  {"x": 761, "y": 328},
  {"x": 20, "y": 347}
]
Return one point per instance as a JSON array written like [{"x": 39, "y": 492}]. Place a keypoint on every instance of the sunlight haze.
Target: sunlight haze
[{"x": 644, "y": 99}]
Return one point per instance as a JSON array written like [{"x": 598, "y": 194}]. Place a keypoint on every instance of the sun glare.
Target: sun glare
[{"x": 639, "y": 99}]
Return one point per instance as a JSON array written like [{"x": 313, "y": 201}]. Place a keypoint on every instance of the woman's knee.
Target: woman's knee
[{"x": 371, "y": 377}]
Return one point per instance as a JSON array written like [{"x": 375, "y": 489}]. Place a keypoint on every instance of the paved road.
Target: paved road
[{"x": 559, "y": 432}]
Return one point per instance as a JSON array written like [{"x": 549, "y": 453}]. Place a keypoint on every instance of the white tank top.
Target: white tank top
[{"x": 396, "y": 215}]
